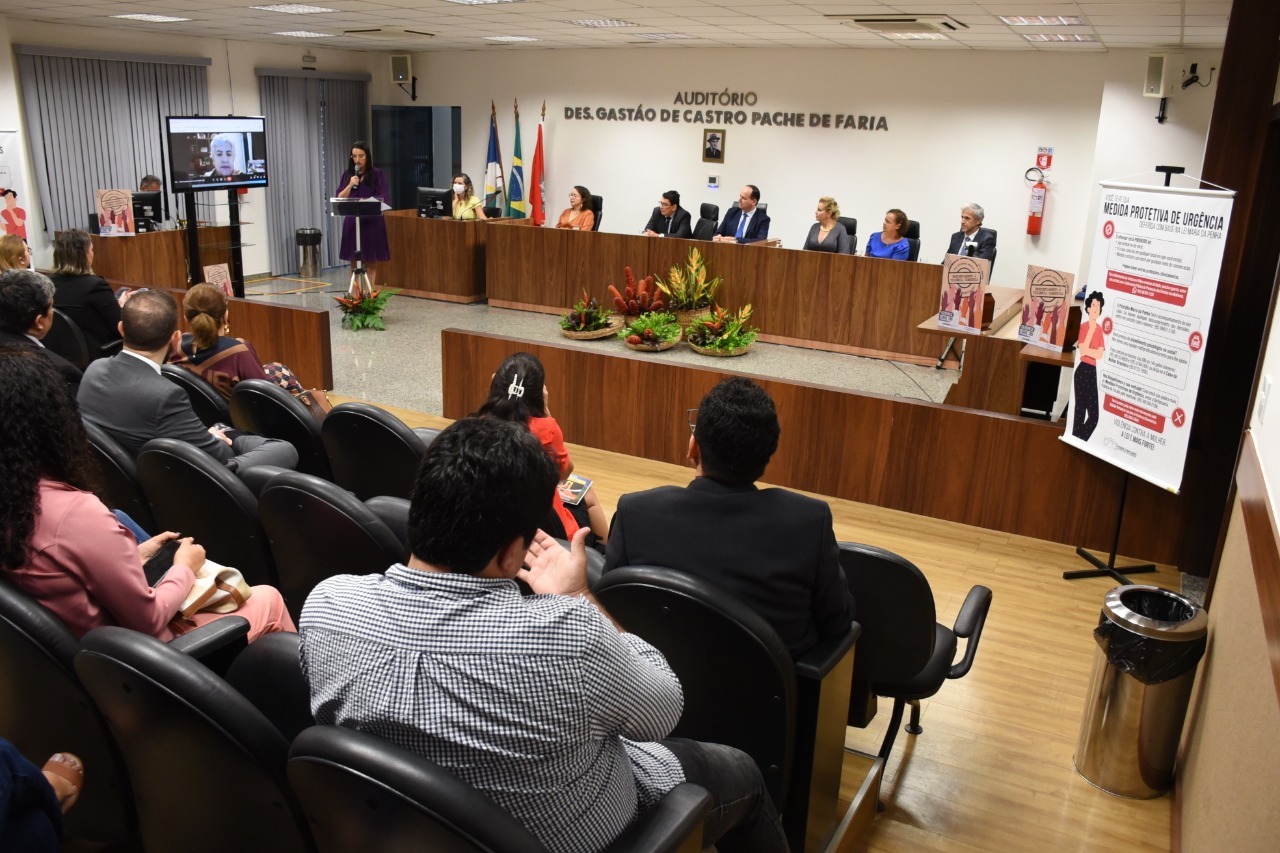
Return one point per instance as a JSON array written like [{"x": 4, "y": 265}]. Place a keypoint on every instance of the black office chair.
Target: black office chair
[
  {"x": 904, "y": 653},
  {"x": 67, "y": 340},
  {"x": 191, "y": 492},
  {"x": 913, "y": 230},
  {"x": 914, "y": 245},
  {"x": 708, "y": 221},
  {"x": 762, "y": 206},
  {"x": 371, "y": 451},
  {"x": 267, "y": 409},
  {"x": 742, "y": 689},
  {"x": 208, "y": 404},
  {"x": 46, "y": 710},
  {"x": 269, "y": 674},
  {"x": 851, "y": 225},
  {"x": 493, "y": 212},
  {"x": 597, "y": 207},
  {"x": 120, "y": 478},
  {"x": 317, "y": 530},
  {"x": 208, "y": 769},
  {"x": 362, "y": 792},
  {"x": 994, "y": 252},
  {"x": 394, "y": 513}
]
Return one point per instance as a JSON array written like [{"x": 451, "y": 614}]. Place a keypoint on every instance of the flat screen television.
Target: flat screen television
[
  {"x": 435, "y": 203},
  {"x": 217, "y": 152},
  {"x": 147, "y": 211}
]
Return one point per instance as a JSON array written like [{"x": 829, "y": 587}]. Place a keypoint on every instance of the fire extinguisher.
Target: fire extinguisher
[{"x": 1035, "y": 213}]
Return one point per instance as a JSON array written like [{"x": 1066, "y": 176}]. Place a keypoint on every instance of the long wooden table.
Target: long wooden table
[
  {"x": 435, "y": 258},
  {"x": 157, "y": 258},
  {"x": 991, "y": 470},
  {"x": 841, "y": 303}
]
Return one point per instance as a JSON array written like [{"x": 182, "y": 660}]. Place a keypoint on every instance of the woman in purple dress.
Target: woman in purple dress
[{"x": 364, "y": 180}]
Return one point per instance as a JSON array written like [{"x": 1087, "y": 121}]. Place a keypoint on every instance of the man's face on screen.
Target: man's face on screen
[{"x": 224, "y": 157}]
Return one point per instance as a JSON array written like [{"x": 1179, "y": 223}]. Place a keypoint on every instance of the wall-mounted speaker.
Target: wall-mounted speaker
[
  {"x": 1164, "y": 73},
  {"x": 401, "y": 70}
]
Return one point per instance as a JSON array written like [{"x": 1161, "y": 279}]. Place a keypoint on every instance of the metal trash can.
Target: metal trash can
[
  {"x": 308, "y": 240},
  {"x": 1149, "y": 642}
]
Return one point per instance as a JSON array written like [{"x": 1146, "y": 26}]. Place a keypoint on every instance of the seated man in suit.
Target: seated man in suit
[
  {"x": 538, "y": 702},
  {"x": 127, "y": 396},
  {"x": 26, "y": 314},
  {"x": 972, "y": 239},
  {"x": 772, "y": 549},
  {"x": 745, "y": 223},
  {"x": 669, "y": 219}
]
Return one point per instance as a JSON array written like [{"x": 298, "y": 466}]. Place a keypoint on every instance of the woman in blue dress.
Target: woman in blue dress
[
  {"x": 892, "y": 241},
  {"x": 364, "y": 180}
]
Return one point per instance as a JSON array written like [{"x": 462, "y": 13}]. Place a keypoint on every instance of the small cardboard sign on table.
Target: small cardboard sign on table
[
  {"x": 115, "y": 213},
  {"x": 964, "y": 294},
  {"x": 1046, "y": 307}
]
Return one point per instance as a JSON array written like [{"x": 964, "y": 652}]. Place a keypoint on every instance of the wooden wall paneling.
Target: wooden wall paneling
[
  {"x": 435, "y": 258},
  {"x": 1241, "y": 153},
  {"x": 1264, "y": 546},
  {"x": 156, "y": 258},
  {"x": 995, "y": 471}
]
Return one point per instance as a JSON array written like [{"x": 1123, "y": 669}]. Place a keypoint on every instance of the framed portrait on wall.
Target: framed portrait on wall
[{"x": 713, "y": 145}]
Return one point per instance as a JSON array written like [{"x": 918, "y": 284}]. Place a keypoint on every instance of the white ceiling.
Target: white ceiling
[{"x": 718, "y": 23}]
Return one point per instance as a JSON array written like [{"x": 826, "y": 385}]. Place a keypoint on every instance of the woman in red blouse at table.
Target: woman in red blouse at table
[
  {"x": 579, "y": 216},
  {"x": 518, "y": 392},
  {"x": 1092, "y": 346}
]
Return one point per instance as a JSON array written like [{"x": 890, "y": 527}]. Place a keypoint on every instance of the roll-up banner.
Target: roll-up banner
[{"x": 1145, "y": 325}]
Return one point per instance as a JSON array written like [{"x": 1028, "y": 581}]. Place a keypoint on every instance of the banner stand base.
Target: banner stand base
[{"x": 1108, "y": 569}]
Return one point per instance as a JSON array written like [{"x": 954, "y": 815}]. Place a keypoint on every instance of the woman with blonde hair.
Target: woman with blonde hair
[
  {"x": 209, "y": 352},
  {"x": 828, "y": 235},
  {"x": 466, "y": 204},
  {"x": 14, "y": 254}
]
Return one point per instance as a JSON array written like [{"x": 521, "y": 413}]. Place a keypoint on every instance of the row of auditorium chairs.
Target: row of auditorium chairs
[
  {"x": 181, "y": 754},
  {"x": 362, "y": 448},
  {"x": 741, "y": 686},
  {"x": 66, "y": 338}
]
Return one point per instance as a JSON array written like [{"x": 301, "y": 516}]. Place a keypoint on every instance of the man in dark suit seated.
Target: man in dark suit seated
[
  {"x": 972, "y": 239},
  {"x": 772, "y": 549},
  {"x": 745, "y": 223},
  {"x": 26, "y": 314},
  {"x": 669, "y": 219},
  {"x": 127, "y": 396}
]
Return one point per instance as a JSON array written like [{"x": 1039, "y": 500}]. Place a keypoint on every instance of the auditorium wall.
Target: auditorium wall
[
  {"x": 233, "y": 89},
  {"x": 962, "y": 125}
]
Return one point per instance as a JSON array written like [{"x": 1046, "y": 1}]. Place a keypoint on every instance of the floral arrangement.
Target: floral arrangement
[
  {"x": 637, "y": 297},
  {"x": 722, "y": 332},
  {"x": 365, "y": 312},
  {"x": 654, "y": 331},
  {"x": 688, "y": 289},
  {"x": 587, "y": 316}
]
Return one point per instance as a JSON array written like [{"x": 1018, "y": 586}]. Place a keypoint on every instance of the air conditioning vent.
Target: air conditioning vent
[
  {"x": 907, "y": 23},
  {"x": 388, "y": 33}
]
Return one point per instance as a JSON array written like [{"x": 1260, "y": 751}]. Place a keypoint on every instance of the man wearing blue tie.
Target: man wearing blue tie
[{"x": 745, "y": 223}]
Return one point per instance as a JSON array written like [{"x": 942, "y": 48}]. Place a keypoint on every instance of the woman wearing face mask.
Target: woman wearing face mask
[
  {"x": 364, "y": 180},
  {"x": 466, "y": 205},
  {"x": 579, "y": 216}
]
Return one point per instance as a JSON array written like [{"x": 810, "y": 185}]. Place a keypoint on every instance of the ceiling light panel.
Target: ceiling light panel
[
  {"x": 600, "y": 23},
  {"x": 915, "y": 36},
  {"x": 1060, "y": 38},
  {"x": 663, "y": 36},
  {"x": 294, "y": 9},
  {"x": 152, "y": 19},
  {"x": 510, "y": 39},
  {"x": 481, "y": 2},
  {"x": 1042, "y": 20},
  {"x": 304, "y": 34}
]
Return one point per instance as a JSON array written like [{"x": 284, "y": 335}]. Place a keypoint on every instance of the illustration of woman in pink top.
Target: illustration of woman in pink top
[{"x": 1092, "y": 346}]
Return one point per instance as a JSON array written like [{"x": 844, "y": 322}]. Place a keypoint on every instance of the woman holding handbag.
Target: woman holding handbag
[{"x": 62, "y": 545}]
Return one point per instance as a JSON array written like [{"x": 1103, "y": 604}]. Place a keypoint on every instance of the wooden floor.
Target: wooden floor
[{"x": 992, "y": 769}]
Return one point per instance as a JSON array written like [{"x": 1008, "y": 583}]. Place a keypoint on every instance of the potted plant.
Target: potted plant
[
  {"x": 721, "y": 333},
  {"x": 688, "y": 291},
  {"x": 589, "y": 321},
  {"x": 652, "y": 332},
  {"x": 637, "y": 297},
  {"x": 365, "y": 311}
]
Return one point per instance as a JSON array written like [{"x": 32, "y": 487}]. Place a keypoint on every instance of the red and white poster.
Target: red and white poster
[
  {"x": 115, "y": 213},
  {"x": 1046, "y": 303},
  {"x": 1145, "y": 324}
]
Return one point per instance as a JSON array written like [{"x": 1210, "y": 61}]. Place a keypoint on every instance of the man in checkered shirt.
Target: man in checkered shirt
[{"x": 542, "y": 703}]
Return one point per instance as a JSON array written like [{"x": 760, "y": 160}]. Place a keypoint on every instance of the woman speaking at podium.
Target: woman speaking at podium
[{"x": 364, "y": 180}]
